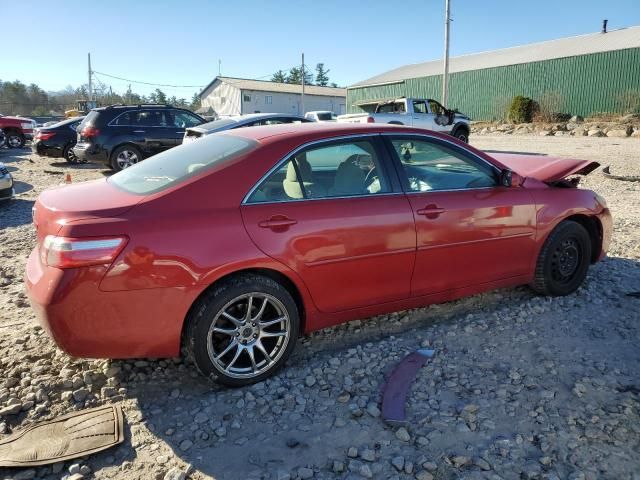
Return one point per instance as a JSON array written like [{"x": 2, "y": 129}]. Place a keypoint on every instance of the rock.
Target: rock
[
  {"x": 282, "y": 474},
  {"x": 424, "y": 475},
  {"x": 338, "y": 466},
  {"x": 11, "y": 409},
  {"x": 304, "y": 473},
  {"x": 186, "y": 445},
  {"x": 482, "y": 464},
  {"x": 352, "y": 452},
  {"x": 106, "y": 392},
  {"x": 430, "y": 466},
  {"x": 373, "y": 410},
  {"x": 24, "y": 474},
  {"x": 408, "y": 467},
  {"x": 365, "y": 471},
  {"x": 201, "y": 417},
  {"x": 80, "y": 394},
  {"x": 310, "y": 381},
  {"x": 576, "y": 119},
  {"x": 595, "y": 132},
  {"x": 76, "y": 476},
  {"x": 162, "y": 459},
  {"x": 175, "y": 474},
  {"x": 403, "y": 435},
  {"x": 368, "y": 455},
  {"x": 545, "y": 133},
  {"x": 460, "y": 461},
  {"x": 74, "y": 468},
  {"x": 579, "y": 132},
  {"x": 620, "y": 132},
  {"x": 398, "y": 463},
  {"x": 636, "y": 132}
]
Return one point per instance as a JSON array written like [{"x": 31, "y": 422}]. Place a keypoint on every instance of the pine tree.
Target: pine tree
[
  {"x": 279, "y": 77},
  {"x": 322, "y": 77}
]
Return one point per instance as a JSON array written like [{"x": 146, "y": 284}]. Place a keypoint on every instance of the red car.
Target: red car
[{"x": 232, "y": 246}]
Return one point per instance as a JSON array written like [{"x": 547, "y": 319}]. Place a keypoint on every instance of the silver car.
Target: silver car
[
  {"x": 6, "y": 183},
  {"x": 238, "y": 121}
]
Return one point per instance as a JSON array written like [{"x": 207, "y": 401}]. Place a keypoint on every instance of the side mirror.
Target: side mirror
[{"x": 509, "y": 178}]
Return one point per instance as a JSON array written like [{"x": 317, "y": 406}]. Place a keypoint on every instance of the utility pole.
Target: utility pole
[
  {"x": 445, "y": 75},
  {"x": 90, "y": 74},
  {"x": 302, "y": 71},
  {"x": 219, "y": 67}
]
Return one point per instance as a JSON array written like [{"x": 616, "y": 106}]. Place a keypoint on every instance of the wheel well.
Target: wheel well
[
  {"x": 460, "y": 126},
  {"x": 274, "y": 275},
  {"x": 8, "y": 130},
  {"x": 594, "y": 227}
]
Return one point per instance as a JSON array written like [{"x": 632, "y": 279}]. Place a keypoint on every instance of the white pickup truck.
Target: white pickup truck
[{"x": 415, "y": 112}]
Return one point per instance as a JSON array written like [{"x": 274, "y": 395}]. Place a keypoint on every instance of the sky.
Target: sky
[{"x": 180, "y": 43}]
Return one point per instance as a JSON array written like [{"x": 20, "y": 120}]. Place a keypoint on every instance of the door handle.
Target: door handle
[
  {"x": 180, "y": 131},
  {"x": 430, "y": 211},
  {"x": 139, "y": 131},
  {"x": 277, "y": 222}
]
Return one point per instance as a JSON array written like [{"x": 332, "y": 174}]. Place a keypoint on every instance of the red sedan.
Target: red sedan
[{"x": 232, "y": 246}]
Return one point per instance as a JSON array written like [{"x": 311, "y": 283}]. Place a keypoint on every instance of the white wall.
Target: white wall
[
  {"x": 290, "y": 103},
  {"x": 214, "y": 96}
]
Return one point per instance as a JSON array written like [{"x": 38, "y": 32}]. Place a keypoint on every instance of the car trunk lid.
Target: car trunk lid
[
  {"x": 65, "y": 204},
  {"x": 545, "y": 168}
]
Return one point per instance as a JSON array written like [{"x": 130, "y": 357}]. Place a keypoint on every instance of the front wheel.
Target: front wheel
[
  {"x": 242, "y": 331},
  {"x": 462, "y": 135},
  {"x": 69, "y": 156},
  {"x": 15, "y": 140},
  {"x": 563, "y": 261}
]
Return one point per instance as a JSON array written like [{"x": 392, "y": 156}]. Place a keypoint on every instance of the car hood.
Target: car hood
[{"x": 545, "y": 168}]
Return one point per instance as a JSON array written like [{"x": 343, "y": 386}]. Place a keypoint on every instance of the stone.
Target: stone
[
  {"x": 282, "y": 474},
  {"x": 620, "y": 132},
  {"x": 74, "y": 468},
  {"x": 402, "y": 434},
  {"x": 186, "y": 445},
  {"x": 424, "y": 475},
  {"x": 576, "y": 119},
  {"x": 106, "y": 392},
  {"x": 162, "y": 459},
  {"x": 310, "y": 381},
  {"x": 482, "y": 464},
  {"x": 365, "y": 471},
  {"x": 460, "y": 461},
  {"x": 352, "y": 452},
  {"x": 430, "y": 466},
  {"x": 398, "y": 463},
  {"x": 80, "y": 394},
  {"x": 595, "y": 132},
  {"x": 305, "y": 472},
  {"x": 175, "y": 474},
  {"x": 24, "y": 474},
  {"x": 338, "y": 466},
  {"x": 201, "y": 417},
  {"x": 368, "y": 455},
  {"x": 75, "y": 476},
  {"x": 11, "y": 409}
]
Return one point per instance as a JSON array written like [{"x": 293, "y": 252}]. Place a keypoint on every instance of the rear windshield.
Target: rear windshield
[
  {"x": 325, "y": 116},
  {"x": 180, "y": 163},
  {"x": 90, "y": 119},
  {"x": 217, "y": 124}
]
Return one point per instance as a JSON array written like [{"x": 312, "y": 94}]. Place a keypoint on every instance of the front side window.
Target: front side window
[
  {"x": 436, "y": 108},
  {"x": 419, "y": 106},
  {"x": 336, "y": 169},
  {"x": 184, "y": 119},
  {"x": 433, "y": 166},
  {"x": 178, "y": 164}
]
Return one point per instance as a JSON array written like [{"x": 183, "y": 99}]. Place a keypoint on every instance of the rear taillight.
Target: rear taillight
[
  {"x": 89, "y": 132},
  {"x": 370, "y": 120},
  {"x": 62, "y": 252},
  {"x": 45, "y": 135}
]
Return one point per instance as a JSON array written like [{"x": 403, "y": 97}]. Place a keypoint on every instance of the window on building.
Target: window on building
[
  {"x": 247, "y": 97},
  {"x": 223, "y": 100},
  {"x": 268, "y": 99}
]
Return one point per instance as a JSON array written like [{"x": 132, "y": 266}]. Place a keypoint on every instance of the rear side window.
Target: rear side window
[
  {"x": 178, "y": 164},
  {"x": 142, "y": 118},
  {"x": 90, "y": 119}
]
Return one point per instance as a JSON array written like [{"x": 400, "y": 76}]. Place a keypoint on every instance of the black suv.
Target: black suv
[{"x": 122, "y": 135}]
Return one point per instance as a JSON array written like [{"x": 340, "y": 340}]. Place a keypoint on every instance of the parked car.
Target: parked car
[
  {"x": 17, "y": 130},
  {"x": 231, "y": 246},
  {"x": 239, "y": 121},
  {"x": 122, "y": 135},
  {"x": 321, "y": 116},
  {"x": 57, "y": 140},
  {"x": 6, "y": 183},
  {"x": 416, "y": 112}
]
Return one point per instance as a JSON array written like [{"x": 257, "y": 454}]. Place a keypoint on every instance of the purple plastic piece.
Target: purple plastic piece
[{"x": 394, "y": 396}]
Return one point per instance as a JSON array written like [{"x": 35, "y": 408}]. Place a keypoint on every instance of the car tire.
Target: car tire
[
  {"x": 236, "y": 349},
  {"x": 461, "y": 134},
  {"x": 69, "y": 156},
  {"x": 563, "y": 261},
  {"x": 15, "y": 139},
  {"x": 125, "y": 156}
]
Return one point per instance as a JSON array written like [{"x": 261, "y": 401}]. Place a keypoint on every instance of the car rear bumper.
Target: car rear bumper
[
  {"x": 45, "y": 150},
  {"x": 87, "y": 152},
  {"x": 85, "y": 321}
]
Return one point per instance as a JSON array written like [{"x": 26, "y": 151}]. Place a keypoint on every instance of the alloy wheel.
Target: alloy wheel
[
  {"x": 249, "y": 335},
  {"x": 126, "y": 158},
  {"x": 14, "y": 141}
]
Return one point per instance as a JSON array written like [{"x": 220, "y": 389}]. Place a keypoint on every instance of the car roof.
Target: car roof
[
  {"x": 240, "y": 119},
  {"x": 321, "y": 130}
]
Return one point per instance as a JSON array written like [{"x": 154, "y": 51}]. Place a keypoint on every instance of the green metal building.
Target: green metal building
[{"x": 582, "y": 75}]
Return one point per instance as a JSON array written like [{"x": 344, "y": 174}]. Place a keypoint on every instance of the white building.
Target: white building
[{"x": 237, "y": 96}]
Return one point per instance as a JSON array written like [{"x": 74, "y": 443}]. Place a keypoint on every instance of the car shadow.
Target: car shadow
[
  {"x": 75, "y": 166},
  {"x": 213, "y": 428},
  {"x": 15, "y": 212},
  {"x": 22, "y": 187}
]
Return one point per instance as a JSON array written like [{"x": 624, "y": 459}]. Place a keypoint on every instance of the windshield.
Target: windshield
[{"x": 180, "y": 163}]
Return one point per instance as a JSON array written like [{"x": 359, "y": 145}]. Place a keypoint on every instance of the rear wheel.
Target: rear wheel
[
  {"x": 15, "y": 139},
  {"x": 563, "y": 261},
  {"x": 461, "y": 134},
  {"x": 125, "y": 157},
  {"x": 242, "y": 331}
]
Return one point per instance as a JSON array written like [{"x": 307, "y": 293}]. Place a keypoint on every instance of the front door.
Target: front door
[
  {"x": 331, "y": 214},
  {"x": 470, "y": 230}
]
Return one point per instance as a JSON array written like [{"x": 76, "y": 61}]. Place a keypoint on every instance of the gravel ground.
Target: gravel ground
[{"x": 520, "y": 386}]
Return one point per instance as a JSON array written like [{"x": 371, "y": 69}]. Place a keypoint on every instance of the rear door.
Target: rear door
[
  {"x": 470, "y": 230},
  {"x": 146, "y": 129},
  {"x": 333, "y": 213},
  {"x": 179, "y": 121}
]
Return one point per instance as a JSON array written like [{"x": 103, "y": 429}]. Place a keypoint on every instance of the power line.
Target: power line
[{"x": 147, "y": 83}]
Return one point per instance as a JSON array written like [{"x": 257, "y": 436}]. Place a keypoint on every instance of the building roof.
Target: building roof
[
  {"x": 564, "y": 47},
  {"x": 266, "y": 86}
]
